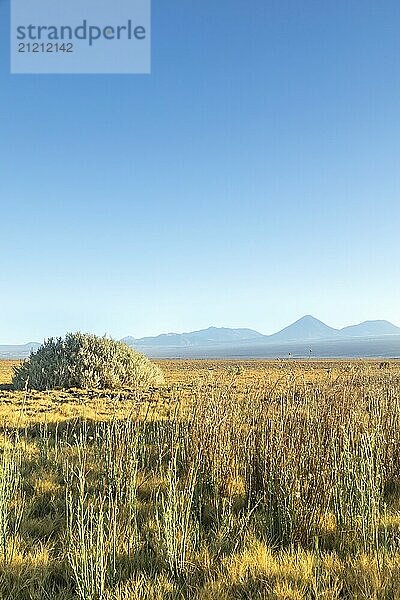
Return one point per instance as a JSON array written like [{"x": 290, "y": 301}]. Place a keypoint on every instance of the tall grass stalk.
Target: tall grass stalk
[
  {"x": 11, "y": 497},
  {"x": 176, "y": 528},
  {"x": 87, "y": 544}
]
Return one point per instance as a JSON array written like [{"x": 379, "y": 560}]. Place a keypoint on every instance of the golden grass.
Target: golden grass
[
  {"x": 182, "y": 377},
  {"x": 251, "y": 479}
]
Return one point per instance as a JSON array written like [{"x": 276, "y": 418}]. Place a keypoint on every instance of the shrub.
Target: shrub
[{"x": 82, "y": 360}]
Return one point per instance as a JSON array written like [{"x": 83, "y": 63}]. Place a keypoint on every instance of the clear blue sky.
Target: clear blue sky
[{"x": 252, "y": 178}]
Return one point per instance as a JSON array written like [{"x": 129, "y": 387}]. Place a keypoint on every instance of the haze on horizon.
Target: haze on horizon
[{"x": 251, "y": 179}]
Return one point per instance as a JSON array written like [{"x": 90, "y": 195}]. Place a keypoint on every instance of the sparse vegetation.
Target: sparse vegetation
[
  {"x": 269, "y": 481},
  {"x": 85, "y": 361}
]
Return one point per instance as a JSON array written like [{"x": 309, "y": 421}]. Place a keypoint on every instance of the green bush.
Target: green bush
[{"x": 82, "y": 360}]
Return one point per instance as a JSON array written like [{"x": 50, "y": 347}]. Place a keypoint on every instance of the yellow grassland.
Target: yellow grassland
[{"x": 233, "y": 480}]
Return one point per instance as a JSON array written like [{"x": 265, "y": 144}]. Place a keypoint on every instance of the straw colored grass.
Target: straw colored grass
[{"x": 258, "y": 480}]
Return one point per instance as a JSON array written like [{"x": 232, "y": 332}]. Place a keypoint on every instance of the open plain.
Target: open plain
[{"x": 234, "y": 479}]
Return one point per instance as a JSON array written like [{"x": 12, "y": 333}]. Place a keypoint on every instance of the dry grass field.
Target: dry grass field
[{"x": 251, "y": 479}]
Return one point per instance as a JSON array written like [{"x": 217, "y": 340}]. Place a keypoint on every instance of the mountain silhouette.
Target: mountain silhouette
[
  {"x": 371, "y": 338},
  {"x": 370, "y": 328},
  {"x": 306, "y": 328},
  {"x": 212, "y": 335}
]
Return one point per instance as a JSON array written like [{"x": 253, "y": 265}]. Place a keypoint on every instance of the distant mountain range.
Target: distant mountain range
[
  {"x": 306, "y": 329},
  {"x": 18, "y": 351},
  {"x": 306, "y": 336},
  {"x": 204, "y": 337}
]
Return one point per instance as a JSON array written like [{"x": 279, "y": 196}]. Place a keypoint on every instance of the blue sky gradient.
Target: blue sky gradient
[{"x": 252, "y": 178}]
